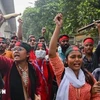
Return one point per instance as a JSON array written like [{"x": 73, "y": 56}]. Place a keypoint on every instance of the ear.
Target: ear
[{"x": 28, "y": 54}]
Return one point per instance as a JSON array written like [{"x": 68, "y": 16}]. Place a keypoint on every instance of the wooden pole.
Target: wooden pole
[{"x": 88, "y": 26}]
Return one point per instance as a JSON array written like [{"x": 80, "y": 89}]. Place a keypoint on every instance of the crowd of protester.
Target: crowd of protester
[{"x": 32, "y": 70}]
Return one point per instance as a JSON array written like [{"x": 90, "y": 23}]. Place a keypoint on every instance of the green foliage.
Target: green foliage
[{"x": 77, "y": 13}]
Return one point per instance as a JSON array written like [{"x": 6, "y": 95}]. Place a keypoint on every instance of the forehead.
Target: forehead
[
  {"x": 75, "y": 52},
  {"x": 13, "y": 40},
  {"x": 18, "y": 47},
  {"x": 88, "y": 43},
  {"x": 32, "y": 38},
  {"x": 64, "y": 40}
]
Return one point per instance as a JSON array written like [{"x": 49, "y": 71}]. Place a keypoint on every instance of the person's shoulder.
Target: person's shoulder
[{"x": 8, "y": 51}]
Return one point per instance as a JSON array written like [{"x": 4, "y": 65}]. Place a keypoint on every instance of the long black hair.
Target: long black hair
[{"x": 88, "y": 76}]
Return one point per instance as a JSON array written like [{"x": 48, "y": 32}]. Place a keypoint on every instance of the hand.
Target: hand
[
  {"x": 37, "y": 97},
  {"x": 96, "y": 88},
  {"x": 20, "y": 21},
  {"x": 43, "y": 30},
  {"x": 58, "y": 19},
  {"x": 97, "y": 25}
]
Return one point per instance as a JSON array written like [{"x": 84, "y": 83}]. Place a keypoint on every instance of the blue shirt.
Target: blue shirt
[{"x": 61, "y": 54}]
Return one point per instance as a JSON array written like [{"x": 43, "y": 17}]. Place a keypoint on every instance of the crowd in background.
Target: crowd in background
[{"x": 32, "y": 70}]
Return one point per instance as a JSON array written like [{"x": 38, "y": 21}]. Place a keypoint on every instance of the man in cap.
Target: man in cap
[
  {"x": 91, "y": 59},
  {"x": 63, "y": 45},
  {"x": 88, "y": 57}
]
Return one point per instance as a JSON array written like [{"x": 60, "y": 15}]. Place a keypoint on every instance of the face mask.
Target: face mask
[{"x": 40, "y": 53}]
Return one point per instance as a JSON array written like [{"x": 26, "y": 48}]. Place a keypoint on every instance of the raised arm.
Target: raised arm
[
  {"x": 53, "y": 42},
  {"x": 20, "y": 29},
  {"x": 55, "y": 60},
  {"x": 98, "y": 27},
  {"x": 2, "y": 19},
  {"x": 97, "y": 51}
]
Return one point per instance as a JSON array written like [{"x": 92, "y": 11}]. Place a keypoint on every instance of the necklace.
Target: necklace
[{"x": 24, "y": 74}]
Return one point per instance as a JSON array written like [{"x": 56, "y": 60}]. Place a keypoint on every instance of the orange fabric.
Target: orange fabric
[
  {"x": 58, "y": 67},
  {"x": 8, "y": 54},
  {"x": 82, "y": 93}
]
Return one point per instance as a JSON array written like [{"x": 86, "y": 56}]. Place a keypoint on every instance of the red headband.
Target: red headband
[
  {"x": 40, "y": 45},
  {"x": 63, "y": 38},
  {"x": 1, "y": 39},
  {"x": 89, "y": 40},
  {"x": 75, "y": 48}
]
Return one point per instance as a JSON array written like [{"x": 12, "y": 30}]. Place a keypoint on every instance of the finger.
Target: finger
[
  {"x": 96, "y": 90},
  {"x": 98, "y": 83},
  {"x": 58, "y": 15}
]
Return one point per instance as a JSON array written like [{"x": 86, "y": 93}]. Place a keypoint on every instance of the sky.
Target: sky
[{"x": 20, "y": 6}]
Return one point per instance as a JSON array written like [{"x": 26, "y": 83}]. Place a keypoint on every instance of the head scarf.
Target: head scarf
[
  {"x": 70, "y": 49},
  {"x": 24, "y": 45}
]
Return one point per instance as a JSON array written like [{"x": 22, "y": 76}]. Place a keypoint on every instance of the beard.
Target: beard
[{"x": 64, "y": 47}]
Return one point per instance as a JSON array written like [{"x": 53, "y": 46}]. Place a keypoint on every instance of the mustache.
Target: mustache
[
  {"x": 65, "y": 46},
  {"x": 89, "y": 49}
]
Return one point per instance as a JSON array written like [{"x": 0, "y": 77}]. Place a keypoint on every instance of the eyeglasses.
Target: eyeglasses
[{"x": 18, "y": 49}]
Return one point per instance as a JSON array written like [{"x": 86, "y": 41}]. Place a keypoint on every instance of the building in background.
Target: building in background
[{"x": 9, "y": 27}]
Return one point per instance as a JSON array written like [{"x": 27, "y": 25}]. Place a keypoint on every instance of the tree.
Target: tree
[{"x": 77, "y": 13}]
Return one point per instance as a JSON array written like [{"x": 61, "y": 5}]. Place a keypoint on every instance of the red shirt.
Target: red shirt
[
  {"x": 44, "y": 72},
  {"x": 32, "y": 55}
]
